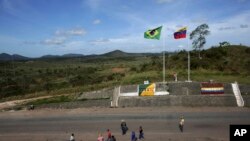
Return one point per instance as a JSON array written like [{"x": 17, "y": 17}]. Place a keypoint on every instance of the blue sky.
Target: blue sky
[{"x": 39, "y": 27}]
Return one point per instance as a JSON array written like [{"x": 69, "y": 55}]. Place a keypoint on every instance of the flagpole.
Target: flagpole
[
  {"x": 188, "y": 61},
  {"x": 164, "y": 43},
  {"x": 155, "y": 34}
]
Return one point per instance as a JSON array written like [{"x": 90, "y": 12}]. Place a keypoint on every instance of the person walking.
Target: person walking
[
  {"x": 133, "y": 136},
  {"x": 108, "y": 135},
  {"x": 113, "y": 138},
  {"x": 175, "y": 77},
  {"x": 181, "y": 124},
  {"x": 141, "y": 134},
  {"x": 72, "y": 137},
  {"x": 124, "y": 127},
  {"x": 100, "y": 138}
]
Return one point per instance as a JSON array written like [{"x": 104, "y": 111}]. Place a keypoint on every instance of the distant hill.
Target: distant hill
[
  {"x": 17, "y": 57},
  {"x": 119, "y": 53},
  {"x": 8, "y": 57},
  {"x": 50, "y": 56},
  {"x": 72, "y": 55},
  {"x": 116, "y": 53}
]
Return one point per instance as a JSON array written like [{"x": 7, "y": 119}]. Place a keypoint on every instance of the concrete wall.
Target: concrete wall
[
  {"x": 246, "y": 101},
  {"x": 228, "y": 88},
  {"x": 244, "y": 89},
  {"x": 160, "y": 87},
  {"x": 181, "y": 94},
  {"x": 179, "y": 88},
  {"x": 193, "y": 88},
  {"x": 184, "y": 88},
  {"x": 245, "y": 92},
  {"x": 180, "y": 100}
]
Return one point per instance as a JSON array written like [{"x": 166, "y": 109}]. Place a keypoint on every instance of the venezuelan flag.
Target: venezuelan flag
[
  {"x": 181, "y": 33},
  {"x": 212, "y": 88}
]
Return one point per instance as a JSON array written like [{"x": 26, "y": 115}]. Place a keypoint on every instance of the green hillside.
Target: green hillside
[
  {"x": 230, "y": 59},
  {"x": 19, "y": 79}
]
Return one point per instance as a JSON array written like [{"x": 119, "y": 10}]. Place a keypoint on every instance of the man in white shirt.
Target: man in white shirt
[
  {"x": 72, "y": 137},
  {"x": 181, "y": 124}
]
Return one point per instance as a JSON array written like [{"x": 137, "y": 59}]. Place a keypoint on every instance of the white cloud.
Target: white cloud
[
  {"x": 60, "y": 38},
  {"x": 97, "y": 21},
  {"x": 77, "y": 31},
  {"x": 54, "y": 41},
  {"x": 72, "y": 32}
]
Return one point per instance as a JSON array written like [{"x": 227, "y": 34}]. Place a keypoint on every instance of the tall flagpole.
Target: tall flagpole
[
  {"x": 188, "y": 61},
  {"x": 164, "y": 43}
]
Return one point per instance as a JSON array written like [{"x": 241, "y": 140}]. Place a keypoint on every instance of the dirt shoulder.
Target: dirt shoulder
[
  {"x": 113, "y": 111},
  {"x": 12, "y": 103}
]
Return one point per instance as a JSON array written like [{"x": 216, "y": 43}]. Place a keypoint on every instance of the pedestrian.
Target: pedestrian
[
  {"x": 175, "y": 76},
  {"x": 181, "y": 124},
  {"x": 133, "y": 136},
  {"x": 141, "y": 134},
  {"x": 100, "y": 138},
  {"x": 124, "y": 127},
  {"x": 108, "y": 135},
  {"x": 72, "y": 137},
  {"x": 113, "y": 138}
]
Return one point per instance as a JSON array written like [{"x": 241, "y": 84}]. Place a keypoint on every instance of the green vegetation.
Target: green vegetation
[{"x": 21, "y": 79}]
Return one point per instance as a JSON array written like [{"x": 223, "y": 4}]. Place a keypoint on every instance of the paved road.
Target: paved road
[{"x": 158, "y": 124}]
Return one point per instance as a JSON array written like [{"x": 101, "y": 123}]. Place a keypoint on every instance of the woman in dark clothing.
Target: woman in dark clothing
[
  {"x": 141, "y": 134},
  {"x": 124, "y": 127}
]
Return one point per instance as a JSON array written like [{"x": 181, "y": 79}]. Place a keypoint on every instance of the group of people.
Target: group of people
[{"x": 124, "y": 129}]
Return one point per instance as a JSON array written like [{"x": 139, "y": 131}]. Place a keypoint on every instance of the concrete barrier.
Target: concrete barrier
[
  {"x": 180, "y": 94},
  {"x": 246, "y": 100},
  {"x": 192, "y": 88},
  {"x": 178, "y": 100},
  {"x": 244, "y": 89}
]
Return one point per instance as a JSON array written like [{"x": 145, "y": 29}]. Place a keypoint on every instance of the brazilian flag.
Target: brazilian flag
[
  {"x": 153, "y": 33},
  {"x": 146, "y": 89}
]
